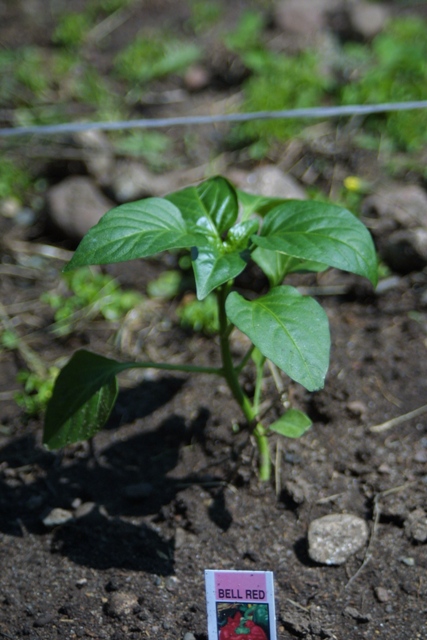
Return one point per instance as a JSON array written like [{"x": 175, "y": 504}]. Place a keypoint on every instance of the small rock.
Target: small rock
[
  {"x": 420, "y": 455},
  {"x": 171, "y": 583},
  {"x": 304, "y": 18},
  {"x": 334, "y": 538},
  {"x": 410, "y": 562},
  {"x": 76, "y": 205},
  {"x": 131, "y": 180},
  {"x": 81, "y": 583},
  {"x": 196, "y": 78},
  {"x": 56, "y": 517},
  {"x": 10, "y": 207},
  {"x": 405, "y": 205},
  {"x": 416, "y": 525},
  {"x": 189, "y": 636},
  {"x": 381, "y": 594},
  {"x": 299, "y": 490},
  {"x": 406, "y": 250},
  {"x": 367, "y": 18},
  {"x": 138, "y": 491},
  {"x": 85, "y": 509},
  {"x": 268, "y": 181},
  {"x": 43, "y": 620},
  {"x": 121, "y": 603},
  {"x": 357, "y": 407},
  {"x": 386, "y": 284},
  {"x": 352, "y": 612},
  {"x": 180, "y": 537}
]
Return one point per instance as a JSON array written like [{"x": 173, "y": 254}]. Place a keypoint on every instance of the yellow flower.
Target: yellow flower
[{"x": 353, "y": 183}]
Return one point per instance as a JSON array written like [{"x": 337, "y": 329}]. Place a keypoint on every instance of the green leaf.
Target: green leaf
[
  {"x": 293, "y": 424},
  {"x": 82, "y": 399},
  {"x": 135, "y": 230},
  {"x": 212, "y": 267},
  {"x": 239, "y": 235},
  {"x": 212, "y": 208},
  {"x": 289, "y": 329},
  {"x": 277, "y": 265},
  {"x": 211, "y": 205},
  {"x": 253, "y": 203},
  {"x": 322, "y": 233}
]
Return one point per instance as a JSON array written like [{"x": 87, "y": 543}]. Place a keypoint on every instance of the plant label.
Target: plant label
[{"x": 240, "y": 605}]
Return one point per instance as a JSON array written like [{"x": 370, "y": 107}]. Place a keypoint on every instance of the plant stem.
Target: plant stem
[
  {"x": 231, "y": 376},
  {"x": 185, "y": 368},
  {"x": 229, "y": 371},
  {"x": 264, "y": 452}
]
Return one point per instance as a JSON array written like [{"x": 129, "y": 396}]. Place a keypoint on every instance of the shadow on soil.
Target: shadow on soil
[{"x": 127, "y": 479}]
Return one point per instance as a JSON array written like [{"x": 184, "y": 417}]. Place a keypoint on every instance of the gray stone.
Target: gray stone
[
  {"x": 76, "y": 205},
  {"x": 354, "y": 614},
  {"x": 402, "y": 204},
  {"x": 406, "y": 250},
  {"x": 416, "y": 525},
  {"x": 368, "y": 18},
  {"x": 121, "y": 603},
  {"x": 381, "y": 594},
  {"x": 299, "y": 489},
  {"x": 334, "y": 538},
  {"x": 268, "y": 181},
  {"x": 84, "y": 509},
  {"x": 189, "y": 636},
  {"x": 56, "y": 517},
  {"x": 304, "y": 18},
  {"x": 10, "y": 207},
  {"x": 172, "y": 584},
  {"x": 131, "y": 180},
  {"x": 196, "y": 78}
]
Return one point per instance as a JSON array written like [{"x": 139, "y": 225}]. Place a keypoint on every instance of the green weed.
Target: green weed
[
  {"x": 88, "y": 294},
  {"x": 394, "y": 69},
  {"x": 154, "y": 55}
]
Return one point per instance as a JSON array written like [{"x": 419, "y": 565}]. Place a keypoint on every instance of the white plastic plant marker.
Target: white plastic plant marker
[{"x": 240, "y": 605}]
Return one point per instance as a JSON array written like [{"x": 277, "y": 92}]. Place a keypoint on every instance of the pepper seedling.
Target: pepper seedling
[{"x": 223, "y": 229}]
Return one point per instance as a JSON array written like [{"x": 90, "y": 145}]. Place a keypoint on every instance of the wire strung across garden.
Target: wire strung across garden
[{"x": 152, "y": 123}]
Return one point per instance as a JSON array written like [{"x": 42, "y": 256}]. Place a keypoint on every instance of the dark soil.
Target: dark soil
[{"x": 169, "y": 489}]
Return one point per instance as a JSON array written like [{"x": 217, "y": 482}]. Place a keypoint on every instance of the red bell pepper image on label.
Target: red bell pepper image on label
[{"x": 240, "y": 627}]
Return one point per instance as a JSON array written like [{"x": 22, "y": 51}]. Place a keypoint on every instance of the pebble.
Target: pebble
[
  {"x": 81, "y": 583},
  {"x": 268, "y": 181},
  {"x": 368, "y": 18},
  {"x": 406, "y": 250},
  {"x": 334, "y": 538},
  {"x": 10, "y": 207},
  {"x": 121, "y": 603},
  {"x": 416, "y": 526},
  {"x": 410, "y": 562},
  {"x": 299, "y": 490},
  {"x": 57, "y": 517},
  {"x": 357, "y": 407},
  {"x": 43, "y": 620},
  {"x": 381, "y": 594},
  {"x": 196, "y": 78},
  {"x": 84, "y": 509},
  {"x": 171, "y": 583},
  {"x": 189, "y": 636},
  {"x": 76, "y": 204},
  {"x": 304, "y": 18},
  {"x": 352, "y": 612}
]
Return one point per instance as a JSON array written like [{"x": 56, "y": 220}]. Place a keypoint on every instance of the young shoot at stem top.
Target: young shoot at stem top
[{"x": 223, "y": 229}]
